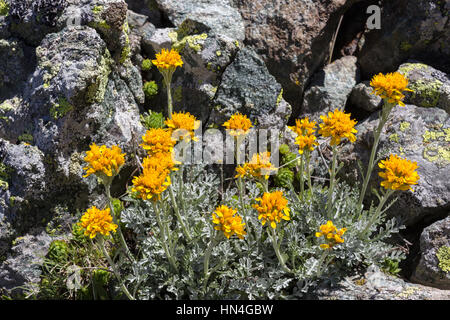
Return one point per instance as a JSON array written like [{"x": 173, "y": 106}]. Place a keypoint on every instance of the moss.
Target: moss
[
  {"x": 26, "y": 137},
  {"x": 404, "y": 125},
  {"x": 428, "y": 92},
  {"x": 178, "y": 94},
  {"x": 60, "y": 109},
  {"x": 150, "y": 89},
  {"x": 405, "y": 46},
  {"x": 146, "y": 65},
  {"x": 443, "y": 255},
  {"x": 4, "y": 8},
  {"x": 96, "y": 91},
  {"x": 408, "y": 67}
]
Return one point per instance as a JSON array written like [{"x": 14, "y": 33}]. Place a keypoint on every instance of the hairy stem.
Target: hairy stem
[
  {"x": 162, "y": 229},
  {"x": 332, "y": 182}
]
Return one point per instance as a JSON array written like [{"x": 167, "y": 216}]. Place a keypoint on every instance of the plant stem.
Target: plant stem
[
  {"x": 377, "y": 134},
  {"x": 308, "y": 172},
  {"x": 276, "y": 247},
  {"x": 168, "y": 79},
  {"x": 241, "y": 201},
  {"x": 163, "y": 237},
  {"x": 177, "y": 214},
  {"x": 302, "y": 187},
  {"x": 206, "y": 259},
  {"x": 121, "y": 237},
  {"x": 377, "y": 213},
  {"x": 332, "y": 181},
  {"x": 116, "y": 272}
]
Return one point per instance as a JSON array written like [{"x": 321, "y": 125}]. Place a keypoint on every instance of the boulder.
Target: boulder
[
  {"x": 434, "y": 265},
  {"x": 363, "y": 99}
]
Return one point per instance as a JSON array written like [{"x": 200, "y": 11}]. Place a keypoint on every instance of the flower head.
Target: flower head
[
  {"x": 97, "y": 221},
  {"x": 273, "y": 207},
  {"x": 162, "y": 161},
  {"x": 332, "y": 235},
  {"x": 183, "y": 125},
  {"x": 306, "y": 143},
  {"x": 304, "y": 127},
  {"x": 390, "y": 87},
  {"x": 158, "y": 140},
  {"x": 338, "y": 126},
  {"x": 229, "y": 222},
  {"x": 238, "y": 125},
  {"x": 153, "y": 181},
  {"x": 399, "y": 174},
  {"x": 168, "y": 59},
  {"x": 104, "y": 161},
  {"x": 258, "y": 167}
]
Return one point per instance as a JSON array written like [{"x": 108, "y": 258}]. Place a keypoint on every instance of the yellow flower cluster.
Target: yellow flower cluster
[
  {"x": 306, "y": 139},
  {"x": 390, "y": 87},
  {"x": 158, "y": 140},
  {"x": 97, "y": 221},
  {"x": 238, "y": 125},
  {"x": 273, "y": 207},
  {"x": 168, "y": 59},
  {"x": 153, "y": 181},
  {"x": 399, "y": 174},
  {"x": 332, "y": 235},
  {"x": 257, "y": 168},
  {"x": 183, "y": 123},
  {"x": 338, "y": 126},
  {"x": 228, "y": 222},
  {"x": 104, "y": 161}
]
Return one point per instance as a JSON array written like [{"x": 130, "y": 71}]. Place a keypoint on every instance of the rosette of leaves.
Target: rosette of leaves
[{"x": 153, "y": 120}]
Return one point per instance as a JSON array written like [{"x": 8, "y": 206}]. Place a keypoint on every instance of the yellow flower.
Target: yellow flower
[
  {"x": 158, "y": 140},
  {"x": 238, "y": 125},
  {"x": 258, "y": 167},
  {"x": 162, "y": 161},
  {"x": 331, "y": 234},
  {"x": 168, "y": 59},
  {"x": 229, "y": 222},
  {"x": 273, "y": 207},
  {"x": 338, "y": 125},
  {"x": 306, "y": 143},
  {"x": 399, "y": 173},
  {"x": 303, "y": 127},
  {"x": 104, "y": 161},
  {"x": 97, "y": 221},
  {"x": 153, "y": 181},
  {"x": 183, "y": 123},
  {"x": 390, "y": 87}
]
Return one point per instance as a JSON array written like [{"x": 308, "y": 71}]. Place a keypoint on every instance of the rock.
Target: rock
[
  {"x": 292, "y": 37},
  {"x": 205, "y": 57},
  {"x": 217, "y": 17},
  {"x": 418, "y": 134},
  {"x": 23, "y": 266},
  {"x": 413, "y": 29},
  {"x": 248, "y": 87},
  {"x": 376, "y": 285},
  {"x": 435, "y": 254},
  {"x": 148, "y": 8},
  {"x": 362, "y": 98},
  {"x": 331, "y": 87},
  {"x": 431, "y": 87}
]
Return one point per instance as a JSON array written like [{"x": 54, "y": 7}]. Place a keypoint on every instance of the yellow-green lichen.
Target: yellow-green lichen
[
  {"x": 4, "y": 8},
  {"x": 97, "y": 10},
  {"x": 280, "y": 97},
  {"x": 428, "y": 92},
  {"x": 60, "y": 109},
  {"x": 405, "y": 46},
  {"x": 437, "y": 145},
  {"x": 5, "y": 173},
  {"x": 179, "y": 41},
  {"x": 443, "y": 255},
  {"x": 408, "y": 67},
  {"x": 236, "y": 43},
  {"x": 218, "y": 53},
  {"x": 26, "y": 138},
  {"x": 394, "y": 138},
  {"x": 6, "y": 106},
  {"x": 96, "y": 91},
  {"x": 404, "y": 125}
]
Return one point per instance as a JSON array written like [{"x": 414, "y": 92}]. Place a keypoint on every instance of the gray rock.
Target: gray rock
[
  {"x": 217, "y": 16},
  {"x": 362, "y": 98},
  {"x": 420, "y": 135},
  {"x": 331, "y": 87},
  {"x": 431, "y": 87},
  {"x": 293, "y": 38},
  {"x": 414, "y": 29},
  {"x": 248, "y": 87},
  {"x": 433, "y": 238},
  {"x": 148, "y": 8},
  {"x": 376, "y": 285},
  {"x": 23, "y": 266}
]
